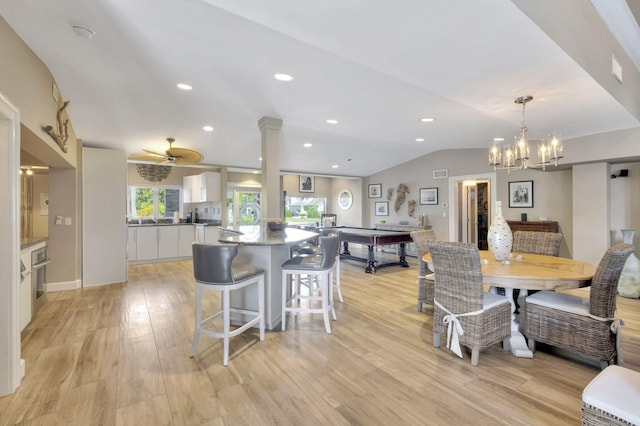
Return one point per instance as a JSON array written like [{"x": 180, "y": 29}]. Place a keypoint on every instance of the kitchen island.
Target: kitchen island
[{"x": 267, "y": 250}]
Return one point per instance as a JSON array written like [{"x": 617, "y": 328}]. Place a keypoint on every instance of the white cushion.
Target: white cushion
[
  {"x": 490, "y": 300},
  {"x": 615, "y": 390},
  {"x": 561, "y": 301}
]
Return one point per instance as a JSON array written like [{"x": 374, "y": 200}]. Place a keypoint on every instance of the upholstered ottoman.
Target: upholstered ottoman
[{"x": 612, "y": 398}]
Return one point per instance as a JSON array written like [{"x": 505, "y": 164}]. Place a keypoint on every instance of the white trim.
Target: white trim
[
  {"x": 64, "y": 285},
  {"x": 453, "y": 198},
  {"x": 11, "y": 366}
]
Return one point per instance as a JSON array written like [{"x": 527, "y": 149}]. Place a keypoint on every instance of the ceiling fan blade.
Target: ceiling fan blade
[
  {"x": 146, "y": 157},
  {"x": 184, "y": 156},
  {"x": 154, "y": 153}
]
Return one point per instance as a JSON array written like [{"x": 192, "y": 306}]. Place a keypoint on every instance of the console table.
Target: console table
[{"x": 545, "y": 226}]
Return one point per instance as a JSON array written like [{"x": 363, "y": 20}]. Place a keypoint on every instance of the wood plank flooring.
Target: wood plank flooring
[{"x": 118, "y": 355}]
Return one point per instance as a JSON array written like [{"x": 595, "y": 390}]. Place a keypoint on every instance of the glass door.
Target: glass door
[{"x": 243, "y": 208}]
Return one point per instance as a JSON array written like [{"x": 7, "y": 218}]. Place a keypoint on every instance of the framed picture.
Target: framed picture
[
  {"x": 382, "y": 208},
  {"x": 375, "y": 190},
  {"x": 521, "y": 194},
  {"x": 307, "y": 183},
  {"x": 428, "y": 195}
]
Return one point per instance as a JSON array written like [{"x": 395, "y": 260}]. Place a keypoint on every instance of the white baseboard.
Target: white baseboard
[{"x": 65, "y": 285}]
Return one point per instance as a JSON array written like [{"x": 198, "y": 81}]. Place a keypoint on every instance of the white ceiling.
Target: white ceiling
[{"x": 376, "y": 66}]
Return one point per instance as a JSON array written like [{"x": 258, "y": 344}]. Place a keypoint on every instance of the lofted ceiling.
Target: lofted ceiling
[{"x": 376, "y": 66}]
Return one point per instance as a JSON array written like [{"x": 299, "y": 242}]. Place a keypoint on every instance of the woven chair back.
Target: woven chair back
[
  {"x": 605, "y": 282},
  {"x": 547, "y": 243},
  {"x": 458, "y": 275},
  {"x": 420, "y": 239}
]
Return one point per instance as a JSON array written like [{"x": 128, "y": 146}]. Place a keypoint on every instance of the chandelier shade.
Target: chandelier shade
[
  {"x": 153, "y": 172},
  {"x": 517, "y": 156}
]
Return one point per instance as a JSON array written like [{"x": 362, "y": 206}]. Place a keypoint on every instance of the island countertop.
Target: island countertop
[{"x": 261, "y": 236}]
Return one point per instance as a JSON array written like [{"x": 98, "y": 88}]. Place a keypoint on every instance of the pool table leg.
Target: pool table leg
[
  {"x": 403, "y": 256},
  {"x": 371, "y": 261},
  {"x": 345, "y": 248}
]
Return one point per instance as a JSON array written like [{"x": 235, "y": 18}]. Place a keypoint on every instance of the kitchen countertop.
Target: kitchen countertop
[
  {"x": 260, "y": 236},
  {"x": 137, "y": 225},
  {"x": 32, "y": 242}
]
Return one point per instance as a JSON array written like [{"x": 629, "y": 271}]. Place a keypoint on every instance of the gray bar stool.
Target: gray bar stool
[
  {"x": 214, "y": 269},
  {"x": 317, "y": 268}
]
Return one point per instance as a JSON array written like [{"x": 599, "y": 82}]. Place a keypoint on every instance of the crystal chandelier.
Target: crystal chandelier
[
  {"x": 153, "y": 172},
  {"x": 516, "y": 156}
]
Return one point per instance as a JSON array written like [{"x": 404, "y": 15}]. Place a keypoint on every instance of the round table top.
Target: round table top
[{"x": 533, "y": 271}]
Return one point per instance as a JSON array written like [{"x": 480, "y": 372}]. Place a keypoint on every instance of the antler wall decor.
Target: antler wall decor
[{"x": 62, "y": 134}]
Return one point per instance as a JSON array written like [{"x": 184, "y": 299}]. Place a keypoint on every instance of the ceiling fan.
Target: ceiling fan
[{"x": 177, "y": 156}]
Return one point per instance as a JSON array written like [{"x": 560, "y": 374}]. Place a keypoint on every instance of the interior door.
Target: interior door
[{"x": 470, "y": 213}]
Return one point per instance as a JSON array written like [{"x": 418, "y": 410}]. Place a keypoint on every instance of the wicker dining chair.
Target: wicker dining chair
[
  {"x": 425, "y": 276},
  {"x": 577, "y": 324},
  {"x": 547, "y": 243},
  {"x": 537, "y": 242},
  {"x": 485, "y": 318}
]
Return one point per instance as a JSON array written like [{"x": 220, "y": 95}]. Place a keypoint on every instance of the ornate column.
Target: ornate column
[{"x": 271, "y": 193}]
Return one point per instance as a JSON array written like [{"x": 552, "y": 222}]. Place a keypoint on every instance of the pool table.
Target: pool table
[{"x": 372, "y": 238}]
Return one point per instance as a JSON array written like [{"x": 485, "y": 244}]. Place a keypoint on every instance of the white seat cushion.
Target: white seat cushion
[
  {"x": 490, "y": 300},
  {"x": 616, "y": 390},
  {"x": 561, "y": 301}
]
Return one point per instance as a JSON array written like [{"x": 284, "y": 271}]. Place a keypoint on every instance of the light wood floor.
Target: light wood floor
[{"x": 118, "y": 354}]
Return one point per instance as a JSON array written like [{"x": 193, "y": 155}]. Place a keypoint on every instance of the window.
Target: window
[
  {"x": 304, "y": 210},
  {"x": 154, "y": 201}
]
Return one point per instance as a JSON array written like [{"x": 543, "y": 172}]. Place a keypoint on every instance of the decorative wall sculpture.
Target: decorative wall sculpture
[
  {"x": 412, "y": 207},
  {"x": 62, "y": 134},
  {"x": 389, "y": 193},
  {"x": 400, "y": 196}
]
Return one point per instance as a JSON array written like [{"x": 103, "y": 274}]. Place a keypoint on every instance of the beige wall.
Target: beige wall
[
  {"x": 40, "y": 221},
  {"x": 27, "y": 82},
  {"x": 554, "y": 192},
  {"x": 330, "y": 188}
]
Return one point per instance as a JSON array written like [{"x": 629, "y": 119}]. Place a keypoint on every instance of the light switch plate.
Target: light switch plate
[
  {"x": 67, "y": 221},
  {"x": 58, "y": 220}
]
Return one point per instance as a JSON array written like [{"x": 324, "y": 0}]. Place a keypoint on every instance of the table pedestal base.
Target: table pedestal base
[{"x": 517, "y": 342}]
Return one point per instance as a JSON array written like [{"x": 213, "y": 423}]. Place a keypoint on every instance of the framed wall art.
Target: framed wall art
[
  {"x": 375, "y": 190},
  {"x": 428, "y": 196},
  {"x": 521, "y": 194},
  {"x": 307, "y": 183},
  {"x": 382, "y": 208}
]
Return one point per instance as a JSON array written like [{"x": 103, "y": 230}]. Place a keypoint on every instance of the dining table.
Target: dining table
[{"x": 528, "y": 271}]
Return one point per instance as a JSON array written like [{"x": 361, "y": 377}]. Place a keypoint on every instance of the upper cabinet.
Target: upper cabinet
[{"x": 201, "y": 188}]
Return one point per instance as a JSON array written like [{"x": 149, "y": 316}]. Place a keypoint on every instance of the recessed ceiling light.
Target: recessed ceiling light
[
  {"x": 208, "y": 128},
  {"x": 335, "y": 166},
  {"x": 283, "y": 77},
  {"x": 419, "y": 139},
  {"x": 498, "y": 139},
  {"x": 260, "y": 159},
  {"x": 308, "y": 145},
  {"x": 83, "y": 32},
  {"x": 332, "y": 121},
  {"x": 427, "y": 119},
  {"x": 184, "y": 86}
]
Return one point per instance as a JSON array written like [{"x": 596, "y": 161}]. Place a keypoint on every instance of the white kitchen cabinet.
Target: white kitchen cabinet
[
  {"x": 199, "y": 237},
  {"x": 186, "y": 236},
  {"x": 201, "y": 188},
  {"x": 167, "y": 242},
  {"x": 147, "y": 243},
  {"x": 131, "y": 244},
  {"x": 209, "y": 186}
]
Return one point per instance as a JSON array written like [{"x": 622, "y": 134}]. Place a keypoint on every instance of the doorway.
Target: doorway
[
  {"x": 243, "y": 207},
  {"x": 472, "y": 197}
]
